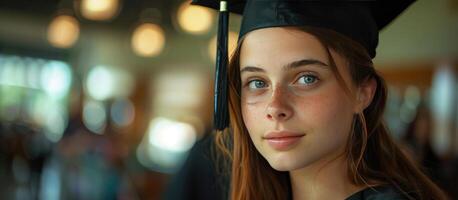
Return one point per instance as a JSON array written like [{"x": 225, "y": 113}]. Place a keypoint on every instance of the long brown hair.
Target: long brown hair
[{"x": 372, "y": 156}]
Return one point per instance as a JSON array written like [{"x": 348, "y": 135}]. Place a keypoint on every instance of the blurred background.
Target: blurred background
[{"x": 104, "y": 99}]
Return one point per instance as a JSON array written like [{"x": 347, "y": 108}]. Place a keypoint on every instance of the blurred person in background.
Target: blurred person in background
[
  {"x": 418, "y": 144},
  {"x": 23, "y": 152},
  {"x": 87, "y": 165},
  {"x": 418, "y": 140}
]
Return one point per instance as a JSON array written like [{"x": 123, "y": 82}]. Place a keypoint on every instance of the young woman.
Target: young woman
[{"x": 305, "y": 107}]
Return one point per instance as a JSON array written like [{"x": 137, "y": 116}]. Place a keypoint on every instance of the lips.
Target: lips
[{"x": 283, "y": 140}]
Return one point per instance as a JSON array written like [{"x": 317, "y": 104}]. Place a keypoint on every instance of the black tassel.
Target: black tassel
[{"x": 221, "y": 115}]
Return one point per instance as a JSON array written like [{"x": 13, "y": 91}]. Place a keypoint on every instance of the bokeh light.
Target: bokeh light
[
  {"x": 56, "y": 78},
  {"x": 412, "y": 96},
  {"x": 51, "y": 181},
  {"x": 19, "y": 71},
  {"x": 33, "y": 76},
  {"x": 194, "y": 19},
  {"x": 171, "y": 135},
  {"x": 9, "y": 72},
  {"x": 122, "y": 112},
  {"x": 94, "y": 116},
  {"x": 103, "y": 82},
  {"x": 55, "y": 121},
  {"x": 100, "y": 83},
  {"x": 166, "y": 144},
  {"x": 442, "y": 97},
  {"x": 148, "y": 40},
  {"x": 99, "y": 9},
  {"x": 63, "y": 31}
]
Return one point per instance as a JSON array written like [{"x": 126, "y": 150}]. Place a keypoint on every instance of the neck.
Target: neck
[{"x": 324, "y": 179}]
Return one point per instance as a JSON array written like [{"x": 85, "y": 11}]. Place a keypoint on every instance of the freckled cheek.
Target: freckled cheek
[
  {"x": 253, "y": 114},
  {"x": 321, "y": 111}
]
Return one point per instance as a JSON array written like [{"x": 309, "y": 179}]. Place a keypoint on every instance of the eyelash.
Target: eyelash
[
  {"x": 252, "y": 81},
  {"x": 308, "y": 75},
  {"x": 300, "y": 76}
]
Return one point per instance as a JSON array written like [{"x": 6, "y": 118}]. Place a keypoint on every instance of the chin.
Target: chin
[
  {"x": 281, "y": 168},
  {"x": 284, "y": 163}
]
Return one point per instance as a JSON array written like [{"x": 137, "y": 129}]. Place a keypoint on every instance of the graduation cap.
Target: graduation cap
[{"x": 358, "y": 20}]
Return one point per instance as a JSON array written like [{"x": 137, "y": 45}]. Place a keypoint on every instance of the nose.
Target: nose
[{"x": 279, "y": 108}]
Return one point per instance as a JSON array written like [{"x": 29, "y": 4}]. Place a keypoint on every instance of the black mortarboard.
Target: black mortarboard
[{"x": 358, "y": 20}]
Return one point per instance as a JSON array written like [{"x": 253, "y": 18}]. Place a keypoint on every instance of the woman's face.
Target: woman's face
[{"x": 295, "y": 110}]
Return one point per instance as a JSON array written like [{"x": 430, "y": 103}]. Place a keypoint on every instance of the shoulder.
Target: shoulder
[{"x": 378, "y": 193}]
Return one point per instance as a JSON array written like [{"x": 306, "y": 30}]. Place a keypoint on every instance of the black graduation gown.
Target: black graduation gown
[
  {"x": 199, "y": 178},
  {"x": 378, "y": 193}
]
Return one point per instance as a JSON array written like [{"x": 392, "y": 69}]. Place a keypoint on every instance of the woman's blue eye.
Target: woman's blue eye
[
  {"x": 307, "y": 79},
  {"x": 256, "y": 84}
]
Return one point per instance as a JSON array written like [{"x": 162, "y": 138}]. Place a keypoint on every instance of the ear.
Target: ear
[{"x": 365, "y": 94}]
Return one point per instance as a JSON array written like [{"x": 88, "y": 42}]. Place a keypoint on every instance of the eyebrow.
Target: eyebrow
[{"x": 288, "y": 66}]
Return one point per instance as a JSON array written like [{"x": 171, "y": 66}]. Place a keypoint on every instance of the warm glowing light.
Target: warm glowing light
[
  {"x": 233, "y": 36},
  {"x": 148, "y": 40},
  {"x": 63, "y": 31},
  {"x": 194, "y": 19},
  {"x": 99, "y": 9}
]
